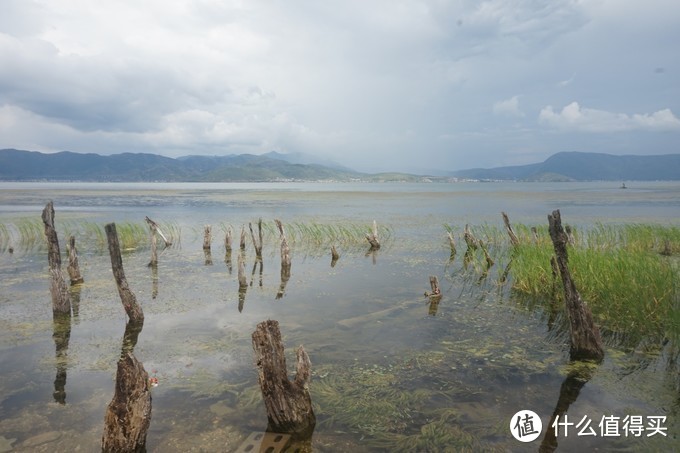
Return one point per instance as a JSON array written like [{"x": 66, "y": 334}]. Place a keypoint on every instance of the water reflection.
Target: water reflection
[
  {"x": 61, "y": 333},
  {"x": 208, "y": 257},
  {"x": 285, "y": 276},
  {"x": 154, "y": 280},
  {"x": 569, "y": 392}
]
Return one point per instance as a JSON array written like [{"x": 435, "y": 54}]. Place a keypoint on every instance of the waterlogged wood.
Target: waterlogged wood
[
  {"x": 513, "y": 237},
  {"x": 373, "y": 237},
  {"x": 434, "y": 286},
  {"x": 586, "y": 343},
  {"x": 285, "y": 260},
  {"x": 207, "y": 237},
  {"x": 73, "y": 266},
  {"x": 128, "y": 416},
  {"x": 61, "y": 300},
  {"x": 288, "y": 403},
  {"x": 242, "y": 243},
  {"x": 227, "y": 240},
  {"x": 128, "y": 299}
]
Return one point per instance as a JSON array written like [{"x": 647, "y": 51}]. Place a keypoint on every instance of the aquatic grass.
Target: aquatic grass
[{"x": 630, "y": 287}]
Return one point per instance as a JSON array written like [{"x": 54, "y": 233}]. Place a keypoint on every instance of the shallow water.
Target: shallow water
[{"x": 390, "y": 369}]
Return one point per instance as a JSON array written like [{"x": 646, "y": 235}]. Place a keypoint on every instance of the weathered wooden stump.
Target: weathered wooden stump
[
  {"x": 73, "y": 266},
  {"x": 257, "y": 241},
  {"x": 285, "y": 260},
  {"x": 207, "y": 237},
  {"x": 157, "y": 229},
  {"x": 128, "y": 299},
  {"x": 128, "y": 416},
  {"x": 513, "y": 237},
  {"x": 288, "y": 403},
  {"x": 586, "y": 343},
  {"x": 452, "y": 246},
  {"x": 242, "y": 242},
  {"x": 373, "y": 237},
  {"x": 61, "y": 300},
  {"x": 335, "y": 256},
  {"x": 470, "y": 239},
  {"x": 242, "y": 281}
]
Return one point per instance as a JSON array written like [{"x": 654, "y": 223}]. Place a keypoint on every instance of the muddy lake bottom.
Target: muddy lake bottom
[{"x": 391, "y": 370}]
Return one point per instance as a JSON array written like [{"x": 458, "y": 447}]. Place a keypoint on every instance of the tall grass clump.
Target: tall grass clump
[{"x": 630, "y": 286}]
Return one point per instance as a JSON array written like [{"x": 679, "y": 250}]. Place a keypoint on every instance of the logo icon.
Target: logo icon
[{"x": 526, "y": 426}]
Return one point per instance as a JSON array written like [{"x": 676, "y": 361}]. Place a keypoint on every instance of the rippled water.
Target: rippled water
[{"x": 390, "y": 368}]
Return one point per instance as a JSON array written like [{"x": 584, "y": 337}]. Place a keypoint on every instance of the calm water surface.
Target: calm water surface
[{"x": 389, "y": 367}]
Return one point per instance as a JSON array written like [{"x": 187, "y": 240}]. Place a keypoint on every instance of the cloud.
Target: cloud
[
  {"x": 574, "y": 117},
  {"x": 508, "y": 107}
]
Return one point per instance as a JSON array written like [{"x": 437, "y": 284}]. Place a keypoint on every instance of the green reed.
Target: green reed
[{"x": 619, "y": 271}]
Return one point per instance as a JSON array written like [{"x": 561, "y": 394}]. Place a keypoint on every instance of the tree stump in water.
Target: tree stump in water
[
  {"x": 207, "y": 237},
  {"x": 128, "y": 416},
  {"x": 128, "y": 299},
  {"x": 285, "y": 260},
  {"x": 586, "y": 343},
  {"x": 61, "y": 300},
  {"x": 73, "y": 266},
  {"x": 513, "y": 237},
  {"x": 257, "y": 244},
  {"x": 157, "y": 229},
  {"x": 288, "y": 403},
  {"x": 335, "y": 256},
  {"x": 373, "y": 237},
  {"x": 452, "y": 245}
]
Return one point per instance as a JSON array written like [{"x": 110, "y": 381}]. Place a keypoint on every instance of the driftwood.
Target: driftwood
[
  {"x": 373, "y": 237},
  {"x": 128, "y": 416},
  {"x": 513, "y": 237},
  {"x": 207, "y": 237},
  {"x": 434, "y": 285},
  {"x": 585, "y": 336},
  {"x": 156, "y": 228},
  {"x": 335, "y": 256},
  {"x": 132, "y": 308},
  {"x": 73, "y": 266},
  {"x": 61, "y": 300},
  {"x": 288, "y": 403}
]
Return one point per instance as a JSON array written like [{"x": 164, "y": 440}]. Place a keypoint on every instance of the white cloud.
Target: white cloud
[
  {"x": 574, "y": 117},
  {"x": 508, "y": 107}
]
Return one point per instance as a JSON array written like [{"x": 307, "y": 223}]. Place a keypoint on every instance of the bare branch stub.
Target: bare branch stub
[{"x": 513, "y": 237}]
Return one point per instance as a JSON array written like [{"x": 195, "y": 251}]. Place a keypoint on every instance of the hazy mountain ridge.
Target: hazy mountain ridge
[
  {"x": 18, "y": 165},
  {"x": 580, "y": 166}
]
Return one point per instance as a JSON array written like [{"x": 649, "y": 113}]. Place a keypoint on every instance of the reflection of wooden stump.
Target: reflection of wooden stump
[
  {"x": 129, "y": 414},
  {"x": 288, "y": 403}
]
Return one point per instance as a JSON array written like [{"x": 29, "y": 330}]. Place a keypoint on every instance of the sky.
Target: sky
[{"x": 376, "y": 85}]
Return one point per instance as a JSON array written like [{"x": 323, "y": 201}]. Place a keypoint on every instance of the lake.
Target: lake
[{"x": 391, "y": 370}]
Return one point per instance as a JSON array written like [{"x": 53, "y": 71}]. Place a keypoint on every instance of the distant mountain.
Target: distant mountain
[
  {"x": 18, "y": 165},
  {"x": 577, "y": 166}
]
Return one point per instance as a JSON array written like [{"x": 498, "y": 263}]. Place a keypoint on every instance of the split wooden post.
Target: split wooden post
[
  {"x": 288, "y": 403},
  {"x": 513, "y": 237},
  {"x": 61, "y": 300},
  {"x": 586, "y": 343},
  {"x": 154, "y": 254},
  {"x": 128, "y": 416},
  {"x": 373, "y": 237},
  {"x": 257, "y": 244},
  {"x": 207, "y": 237},
  {"x": 132, "y": 308},
  {"x": 156, "y": 228},
  {"x": 73, "y": 266}
]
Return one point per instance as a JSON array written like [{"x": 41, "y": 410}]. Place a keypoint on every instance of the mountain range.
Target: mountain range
[{"x": 19, "y": 165}]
